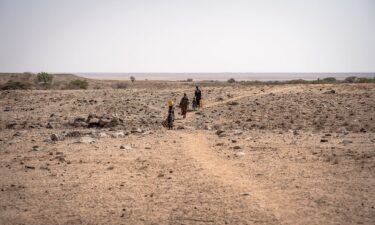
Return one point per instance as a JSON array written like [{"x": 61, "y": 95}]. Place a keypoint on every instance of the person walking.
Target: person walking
[
  {"x": 170, "y": 118},
  {"x": 184, "y": 104},
  {"x": 198, "y": 96}
]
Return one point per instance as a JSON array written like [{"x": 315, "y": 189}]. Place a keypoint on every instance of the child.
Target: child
[
  {"x": 194, "y": 104},
  {"x": 170, "y": 118}
]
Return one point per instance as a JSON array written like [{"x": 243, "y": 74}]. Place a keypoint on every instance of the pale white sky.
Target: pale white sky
[{"x": 187, "y": 36}]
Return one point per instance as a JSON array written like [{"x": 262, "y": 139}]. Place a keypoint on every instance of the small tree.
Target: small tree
[
  {"x": 231, "y": 80},
  {"x": 132, "y": 79},
  {"x": 350, "y": 79},
  {"x": 79, "y": 84},
  {"x": 329, "y": 79},
  {"x": 44, "y": 78}
]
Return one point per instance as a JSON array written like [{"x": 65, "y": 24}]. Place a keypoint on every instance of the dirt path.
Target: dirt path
[{"x": 197, "y": 146}]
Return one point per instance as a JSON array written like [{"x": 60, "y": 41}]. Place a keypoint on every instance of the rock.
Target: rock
[
  {"x": 218, "y": 132},
  {"x": 238, "y": 132},
  {"x": 223, "y": 135},
  {"x": 118, "y": 134},
  {"x": 126, "y": 147},
  {"x": 180, "y": 127},
  {"x": 57, "y": 137},
  {"x": 74, "y": 133},
  {"x": 232, "y": 103},
  {"x": 206, "y": 127},
  {"x": 85, "y": 140},
  {"x": 136, "y": 130},
  {"x": 245, "y": 194},
  {"x": 102, "y": 135},
  {"x": 330, "y": 92},
  {"x": 30, "y": 167},
  {"x": 146, "y": 132},
  {"x": 323, "y": 140},
  {"x": 363, "y": 130},
  {"x": 236, "y": 147},
  {"x": 239, "y": 154},
  {"x": 219, "y": 144},
  {"x": 49, "y": 126},
  {"x": 79, "y": 122},
  {"x": 11, "y": 125},
  {"x": 7, "y": 109},
  {"x": 347, "y": 142},
  {"x": 110, "y": 168}
]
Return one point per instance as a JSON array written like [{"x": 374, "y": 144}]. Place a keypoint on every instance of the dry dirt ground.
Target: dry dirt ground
[{"x": 291, "y": 154}]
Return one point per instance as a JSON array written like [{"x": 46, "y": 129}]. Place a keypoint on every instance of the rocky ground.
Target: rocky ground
[{"x": 287, "y": 154}]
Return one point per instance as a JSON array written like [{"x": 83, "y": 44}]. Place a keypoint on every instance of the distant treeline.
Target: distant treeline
[{"x": 327, "y": 80}]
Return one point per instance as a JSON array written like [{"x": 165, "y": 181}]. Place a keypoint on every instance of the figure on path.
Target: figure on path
[
  {"x": 198, "y": 96},
  {"x": 184, "y": 104}
]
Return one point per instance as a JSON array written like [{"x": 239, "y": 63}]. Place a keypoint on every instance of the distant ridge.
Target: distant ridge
[{"x": 221, "y": 76}]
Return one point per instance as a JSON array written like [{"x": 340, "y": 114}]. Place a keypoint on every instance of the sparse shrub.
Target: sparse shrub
[
  {"x": 231, "y": 80},
  {"x": 364, "y": 80},
  {"x": 78, "y": 84},
  {"x": 15, "y": 85},
  {"x": 329, "y": 80},
  {"x": 189, "y": 80},
  {"x": 44, "y": 78},
  {"x": 351, "y": 79},
  {"x": 132, "y": 79}
]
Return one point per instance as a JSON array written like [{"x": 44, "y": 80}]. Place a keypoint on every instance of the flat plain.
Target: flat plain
[{"x": 260, "y": 154}]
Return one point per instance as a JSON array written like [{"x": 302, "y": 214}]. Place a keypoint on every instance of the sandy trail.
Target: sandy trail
[{"x": 196, "y": 146}]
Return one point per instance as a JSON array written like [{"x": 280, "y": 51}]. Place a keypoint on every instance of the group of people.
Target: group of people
[{"x": 184, "y": 106}]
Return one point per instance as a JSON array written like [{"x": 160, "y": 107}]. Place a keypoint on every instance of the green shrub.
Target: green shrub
[
  {"x": 44, "y": 78},
  {"x": 15, "y": 85},
  {"x": 365, "y": 80},
  {"x": 78, "y": 84},
  {"x": 231, "y": 80},
  {"x": 329, "y": 80},
  {"x": 351, "y": 79}
]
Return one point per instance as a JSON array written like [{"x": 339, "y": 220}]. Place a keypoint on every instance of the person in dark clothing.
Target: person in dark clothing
[
  {"x": 194, "y": 104},
  {"x": 184, "y": 104},
  {"x": 198, "y": 96},
  {"x": 170, "y": 118}
]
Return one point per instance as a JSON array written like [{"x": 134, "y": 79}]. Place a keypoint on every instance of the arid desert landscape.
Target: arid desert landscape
[{"x": 254, "y": 154}]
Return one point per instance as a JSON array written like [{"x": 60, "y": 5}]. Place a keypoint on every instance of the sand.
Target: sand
[{"x": 288, "y": 154}]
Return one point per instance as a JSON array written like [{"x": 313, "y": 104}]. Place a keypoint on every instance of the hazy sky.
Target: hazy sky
[{"x": 187, "y": 36}]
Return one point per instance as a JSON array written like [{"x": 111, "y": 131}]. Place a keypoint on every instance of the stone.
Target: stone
[
  {"x": 218, "y": 132},
  {"x": 85, "y": 140},
  {"x": 180, "y": 127},
  {"x": 330, "y": 92},
  {"x": 57, "y": 137},
  {"x": 49, "y": 126},
  {"x": 239, "y": 154},
  {"x": 74, "y": 133},
  {"x": 238, "y": 132},
  {"x": 232, "y": 103},
  {"x": 102, "y": 135},
  {"x": 125, "y": 147},
  {"x": 236, "y": 147},
  {"x": 323, "y": 140},
  {"x": 118, "y": 134}
]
